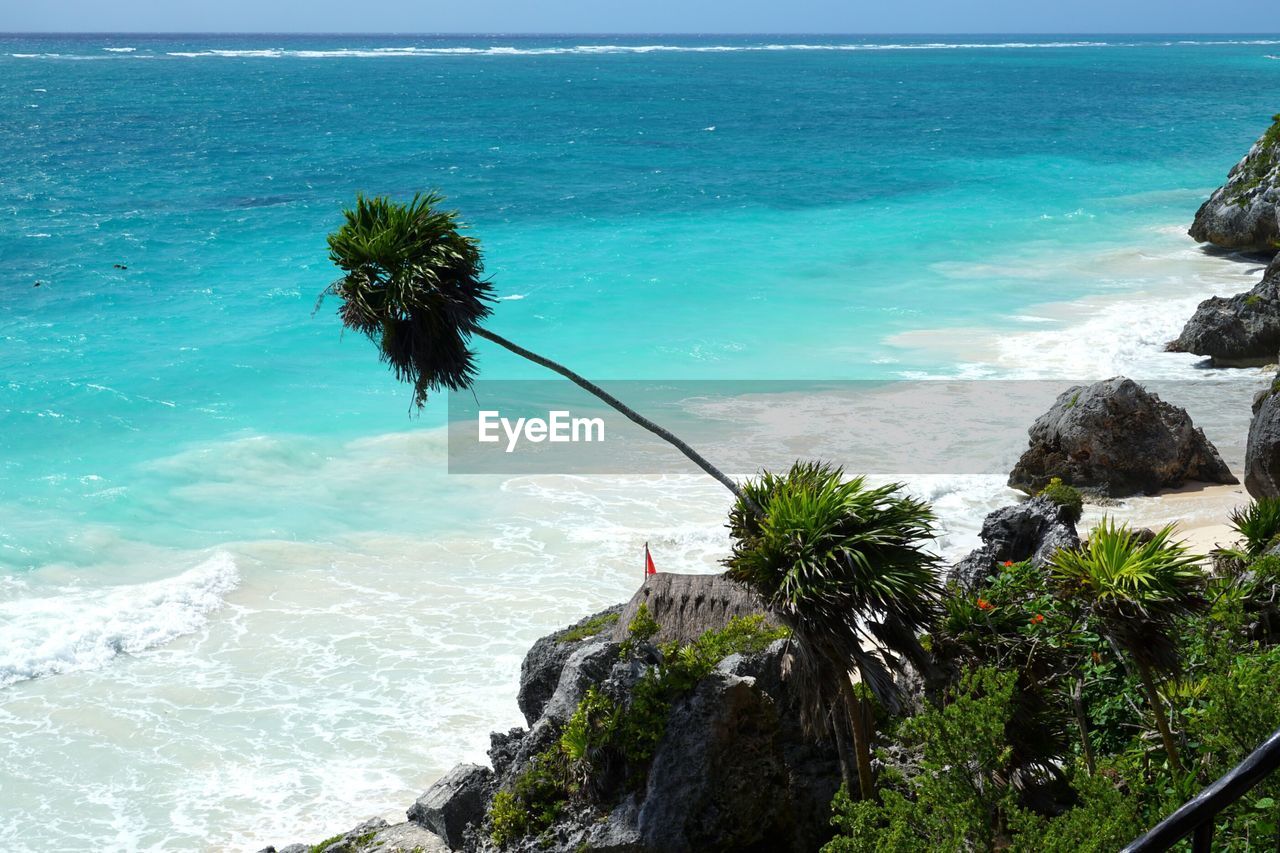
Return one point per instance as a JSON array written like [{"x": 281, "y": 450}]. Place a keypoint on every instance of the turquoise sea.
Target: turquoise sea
[{"x": 240, "y": 600}]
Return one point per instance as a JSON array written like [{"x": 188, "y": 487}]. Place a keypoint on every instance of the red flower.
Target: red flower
[
  {"x": 1037, "y": 619},
  {"x": 1008, "y": 563},
  {"x": 983, "y": 604}
]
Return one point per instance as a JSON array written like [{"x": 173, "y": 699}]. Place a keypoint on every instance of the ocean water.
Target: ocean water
[{"x": 242, "y": 602}]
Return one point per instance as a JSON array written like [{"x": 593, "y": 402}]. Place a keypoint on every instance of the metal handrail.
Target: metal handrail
[{"x": 1196, "y": 816}]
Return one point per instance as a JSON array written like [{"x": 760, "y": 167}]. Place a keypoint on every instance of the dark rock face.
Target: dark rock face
[
  {"x": 455, "y": 803},
  {"x": 687, "y": 606},
  {"x": 1262, "y": 454},
  {"x": 716, "y": 776},
  {"x": 589, "y": 664},
  {"x": 1027, "y": 531},
  {"x": 1244, "y": 213},
  {"x": 540, "y": 672},
  {"x": 1239, "y": 331},
  {"x": 1115, "y": 439}
]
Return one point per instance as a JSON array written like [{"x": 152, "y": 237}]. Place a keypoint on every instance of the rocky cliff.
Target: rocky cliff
[
  {"x": 713, "y": 756},
  {"x": 1237, "y": 331},
  {"x": 1244, "y": 213}
]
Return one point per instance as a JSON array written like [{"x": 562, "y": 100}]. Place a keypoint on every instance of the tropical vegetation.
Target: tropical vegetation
[
  {"x": 1084, "y": 701},
  {"x": 845, "y": 568}
]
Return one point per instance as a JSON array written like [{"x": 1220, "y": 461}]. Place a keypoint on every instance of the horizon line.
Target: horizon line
[{"x": 636, "y": 33}]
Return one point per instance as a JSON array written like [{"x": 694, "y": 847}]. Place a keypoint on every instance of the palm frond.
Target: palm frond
[
  {"x": 1139, "y": 589},
  {"x": 411, "y": 283},
  {"x": 1258, "y": 525},
  {"x": 832, "y": 558}
]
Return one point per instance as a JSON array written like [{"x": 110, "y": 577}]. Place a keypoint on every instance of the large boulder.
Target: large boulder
[
  {"x": 1033, "y": 530},
  {"x": 718, "y": 781},
  {"x": 1238, "y": 331},
  {"x": 455, "y": 803},
  {"x": 687, "y": 606},
  {"x": 1115, "y": 439},
  {"x": 1244, "y": 213},
  {"x": 1262, "y": 455}
]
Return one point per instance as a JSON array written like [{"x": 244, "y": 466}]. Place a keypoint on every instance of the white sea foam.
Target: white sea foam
[
  {"x": 602, "y": 49},
  {"x": 76, "y": 629}
]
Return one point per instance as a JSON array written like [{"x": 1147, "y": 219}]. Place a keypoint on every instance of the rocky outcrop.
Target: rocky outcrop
[
  {"x": 455, "y": 804},
  {"x": 1113, "y": 438},
  {"x": 687, "y": 606},
  {"x": 732, "y": 769},
  {"x": 374, "y": 836},
  {"x": 540, "y": 672},
  {"x": 1244, "y": 213},
  {"x": 1239, "y": 331},
  {"x": 717, "y": 775},
  {"x": 1262, "y": 454},
  {"x": 1033, "y": 531}
]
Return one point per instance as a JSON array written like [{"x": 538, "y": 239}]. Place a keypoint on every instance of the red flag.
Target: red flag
[{"x": 649, "y": 567}]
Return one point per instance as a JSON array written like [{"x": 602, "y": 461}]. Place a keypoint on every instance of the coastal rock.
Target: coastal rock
[
  {"x": 1239, "y": 331},
  {"x": 540, "y": 672},
  {"x": 734, "y": 769},
  {"x": 687, "y": 606},
  {"x": 1115, "y": 439},
  {"x": 376, "y": 836},
  {"x": 1262, "y": 453},
  {"x": 455, "y": 803},
  {"x": 718, "y": 779},
  {"x": 589, "y": 665},
  {"x": 1032, "y": 530},
  {"x": 1244, "y": 213}
]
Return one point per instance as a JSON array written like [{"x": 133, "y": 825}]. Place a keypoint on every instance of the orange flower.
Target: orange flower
[
  {"x": 1008, "y": 563},
  {"x": 983, "y": 604},
  {"x": 1037, "y": 619}
]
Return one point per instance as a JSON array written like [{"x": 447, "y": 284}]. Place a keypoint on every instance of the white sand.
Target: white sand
[{"x": 1199, "y": 510}]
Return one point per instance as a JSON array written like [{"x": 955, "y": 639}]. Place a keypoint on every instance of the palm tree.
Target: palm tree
[
  {"x": 1138, "y": 592},
  {"x": 412, "y": 283},
  {"x": 842, "y": 565}
]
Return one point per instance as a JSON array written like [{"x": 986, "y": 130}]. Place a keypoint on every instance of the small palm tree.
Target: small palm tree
[
  {"x": 843, "y": 566},
  {"x": 413, "y": 284},
  {"x": 1138, "y": 592},
  {"x": 1258, "y": 525}
]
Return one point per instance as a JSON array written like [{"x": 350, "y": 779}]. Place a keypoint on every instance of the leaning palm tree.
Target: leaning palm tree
[
  {"x": 843, "y": 566},
  {"x": 1138, "y": 592},
  {"x": 413, "y": 284}
]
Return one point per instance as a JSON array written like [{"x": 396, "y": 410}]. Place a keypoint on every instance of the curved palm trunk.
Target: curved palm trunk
[
  {"x": 1157, "y": 708},
  {"x": 632, "y": 415},
  {"x": 861, "y": 739}
]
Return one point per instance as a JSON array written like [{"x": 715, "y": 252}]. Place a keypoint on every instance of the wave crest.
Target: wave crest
[{"x": 80, "y": 629}]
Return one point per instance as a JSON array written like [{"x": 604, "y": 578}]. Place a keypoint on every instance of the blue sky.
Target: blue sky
[{"x": 644, "y": 16}]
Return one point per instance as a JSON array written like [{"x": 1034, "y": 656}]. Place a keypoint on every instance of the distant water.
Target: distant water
[{"x": 240, "y": 600}]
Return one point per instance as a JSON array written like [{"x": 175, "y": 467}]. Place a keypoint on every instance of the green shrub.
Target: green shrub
[
  {"x": 1258, "y": 525},
  {"x": 1067, "y": 497},
  {"x": 534, "y": 802},
  {"x": 641, "y": 629},
  {"x": 963, "y": 797},
  {"x": 592, "y": 627}
]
